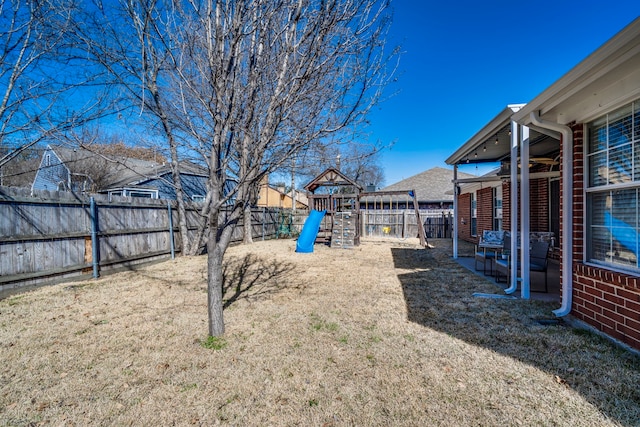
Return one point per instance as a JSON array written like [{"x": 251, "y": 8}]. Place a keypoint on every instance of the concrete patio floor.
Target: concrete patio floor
[{"x": 537, "y": 280}]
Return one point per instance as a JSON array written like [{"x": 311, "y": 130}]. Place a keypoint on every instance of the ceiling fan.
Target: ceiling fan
[
  {"x": 544, "y": 161},
  {"x": 505, "y": 166}
]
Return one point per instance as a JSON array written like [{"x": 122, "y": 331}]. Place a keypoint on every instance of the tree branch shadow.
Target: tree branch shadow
[{"x": 253, "y": 277}]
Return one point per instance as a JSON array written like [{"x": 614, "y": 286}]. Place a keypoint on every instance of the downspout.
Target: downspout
[
  {"x": 513, "y": 203},
  {"x": 455, "y": 211},
  {"x": 567, "y": 209}
]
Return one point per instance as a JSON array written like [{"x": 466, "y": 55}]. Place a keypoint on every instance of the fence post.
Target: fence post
[
  {"x": 404, "y": 223},
  {"x": 94, "y": 237},
  {"x": 173, "y": 249},
  {"x": 264, "y": 219}
]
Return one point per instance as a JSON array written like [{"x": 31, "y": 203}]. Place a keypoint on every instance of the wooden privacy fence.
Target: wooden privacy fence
[
  {"x": 50, "y": 235},
  {"x": 401, "y": 223}
]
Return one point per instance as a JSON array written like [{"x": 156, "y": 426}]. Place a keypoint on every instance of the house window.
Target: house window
[
  {"x": 47, "y": 159},
  {"x": 613, "y": 188},
  {"x": 143, "y": 194},
  {"x": 474, "y": 214},
  {"x": 497, "y": 208},
  {"x": 128, "y": 192},
  {"x": 197, "y": 198}
]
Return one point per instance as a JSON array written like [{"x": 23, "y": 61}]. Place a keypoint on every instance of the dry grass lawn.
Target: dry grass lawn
[{"x": 383, "y": 334}]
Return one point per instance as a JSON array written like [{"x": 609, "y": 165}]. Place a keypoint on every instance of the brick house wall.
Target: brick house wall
[
  {"x": 539, "y": 204},
  {"x": 605, "y": 299},
  {"x": 608, "y": 301},
  {"x": 485, "y": 210},
  {"x": 539, "y": 208},
  {"x": 464, "y": 214},
  {"x": 506, "y": 205}
]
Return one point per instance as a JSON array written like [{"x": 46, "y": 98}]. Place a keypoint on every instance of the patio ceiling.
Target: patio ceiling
[{"x": 493, "y": 142}]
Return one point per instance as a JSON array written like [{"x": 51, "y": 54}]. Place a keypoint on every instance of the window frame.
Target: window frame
[
  {"x": 474, "y": 214},
  {"x": 497, "y": 220},
  {"x": 595, "y": 190}
]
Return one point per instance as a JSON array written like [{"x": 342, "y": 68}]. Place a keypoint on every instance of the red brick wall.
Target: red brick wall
[
  {"x": 578, "y": 193},
  {"x": 609, "y": 301},
  {"x": 605, "y": 299},
  {"x": 506, "y": 205},
  {"x": 464, "y": 214},
  {"x": 485, "y": 209},
  {"x": 539, "y": 204}
]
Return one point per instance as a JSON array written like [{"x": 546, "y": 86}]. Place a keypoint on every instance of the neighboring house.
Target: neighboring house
[
  {"x": 590, "y": 119},
  {"x": 81, "y": 170},
  {"x": 432, "y": 188},
  {"x": 275, "y": 197}
]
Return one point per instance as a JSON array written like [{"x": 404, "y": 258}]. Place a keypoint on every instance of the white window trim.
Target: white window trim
[{"x": 588, "y": 189}]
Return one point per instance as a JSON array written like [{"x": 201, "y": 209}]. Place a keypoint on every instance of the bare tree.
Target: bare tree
[
  {"x": 360, "y": 162},
  {"x": 40, "y": 72},
  {"x": 269, "y": 78},
  {"x": 130, "y": 40},
  {"x": 244, "y": 85}
]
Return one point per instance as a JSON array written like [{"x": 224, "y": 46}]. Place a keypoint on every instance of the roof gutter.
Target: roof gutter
[{"x": 567, "y": 208}]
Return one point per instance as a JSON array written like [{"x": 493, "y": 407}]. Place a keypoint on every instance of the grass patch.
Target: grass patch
[
  {"x": 15, "y": 300},
  {"x": 319, "y": 324},
  {"x": 189, "y": 387},
  {"x": 214, "y": 343}
]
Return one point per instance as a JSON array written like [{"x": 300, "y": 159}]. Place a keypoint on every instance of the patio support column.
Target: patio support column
[
  {"x": 524, "y": 214},
  {"x": 513, "y": 202},
  {"x": 455, "y": 211}
]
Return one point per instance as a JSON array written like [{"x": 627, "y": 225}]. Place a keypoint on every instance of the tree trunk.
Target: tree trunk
[
  {"x": 215, "y": 254},
  {"x": 248, "y": 226}
]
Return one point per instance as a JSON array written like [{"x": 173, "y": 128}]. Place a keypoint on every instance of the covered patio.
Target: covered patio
[
  {"x": 524, "y": 199},
  {"x": 536, "y": 291}
]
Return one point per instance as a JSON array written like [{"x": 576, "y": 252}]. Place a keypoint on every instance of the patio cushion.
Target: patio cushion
[
  {"x": 492, "y": 237},
  {"x": 487, "y": 254}
]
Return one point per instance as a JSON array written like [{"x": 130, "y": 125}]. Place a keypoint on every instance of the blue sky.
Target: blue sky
[{"x": 464, "y": 61}]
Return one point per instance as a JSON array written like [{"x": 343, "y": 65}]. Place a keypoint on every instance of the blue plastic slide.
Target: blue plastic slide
[{"x": 309, "y": 231}]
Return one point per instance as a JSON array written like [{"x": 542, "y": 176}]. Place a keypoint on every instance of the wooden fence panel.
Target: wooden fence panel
[{"x": 49, "y": 234}]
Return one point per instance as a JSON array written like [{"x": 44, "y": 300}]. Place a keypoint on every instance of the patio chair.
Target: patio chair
[
  {"x": 538, "y": 262},
  {"x": 502, "y": 263},
  {"x": 491, "y": 243}
]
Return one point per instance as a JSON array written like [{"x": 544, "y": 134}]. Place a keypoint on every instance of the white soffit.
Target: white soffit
[{"x": 487, "y": 133}]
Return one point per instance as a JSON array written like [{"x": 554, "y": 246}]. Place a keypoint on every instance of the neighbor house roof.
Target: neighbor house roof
[
  {"x": 119, "y": 171},
  {"x": 430, "y": 185}
]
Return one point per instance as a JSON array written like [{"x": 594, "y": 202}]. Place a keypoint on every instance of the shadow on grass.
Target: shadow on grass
[
  {"x": 248, "y": 277},
  {"x": 253, "y": 277},
  {"x": 438, "y": 294}
]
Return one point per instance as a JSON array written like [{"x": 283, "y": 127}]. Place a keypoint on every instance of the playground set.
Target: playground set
[{"x": 335, "y": 203}]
